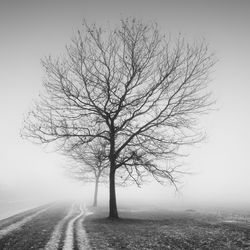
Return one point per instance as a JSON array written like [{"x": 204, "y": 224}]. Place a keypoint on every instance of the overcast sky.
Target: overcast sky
[{"x": 30, "y": 30}]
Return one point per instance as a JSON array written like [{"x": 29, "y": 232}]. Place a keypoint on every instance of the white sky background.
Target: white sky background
[{"x": 30, "y": 30}]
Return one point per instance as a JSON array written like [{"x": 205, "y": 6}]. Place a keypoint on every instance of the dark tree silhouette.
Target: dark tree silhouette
[
  {"x": 130, "y": 87},
  {"x": 90, "y": 163}
]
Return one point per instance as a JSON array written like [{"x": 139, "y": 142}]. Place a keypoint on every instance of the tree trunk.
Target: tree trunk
[
  {"x": 96, "y": 192},
  {"x": 113, "y": 213}
]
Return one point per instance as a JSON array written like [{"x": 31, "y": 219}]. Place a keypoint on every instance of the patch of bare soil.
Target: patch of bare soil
[{"x": 165, "y": 230}]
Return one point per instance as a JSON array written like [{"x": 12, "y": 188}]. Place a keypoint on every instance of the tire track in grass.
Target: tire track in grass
[
  {"x": 64, "y": 230},
  {"x": 56, "y": 236},
  {"x": 69, "y": 238},
  {"x": 81, "y": 235},
  {"x": 37, "y": 232},
  {"x": 20, "y": 223},
  {"x": 17, "y": 217}
]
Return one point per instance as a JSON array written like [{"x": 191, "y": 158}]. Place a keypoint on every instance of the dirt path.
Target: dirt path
[
  {"x": 75, "y": 234},
  {"x": 48, "y": 228},
  {"x": 20, "y": 223},
  {"x": 57, "y": 233},
  {"x": 82, "y": 238}
]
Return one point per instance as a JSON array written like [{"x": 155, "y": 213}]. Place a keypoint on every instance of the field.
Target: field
[
  {"x": 34, "y": 233},
  {"x": 73, "y": 226},
  {"x": 167, "y": 230}
]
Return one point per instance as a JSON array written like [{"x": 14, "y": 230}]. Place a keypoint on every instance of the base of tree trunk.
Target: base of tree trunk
[
  {"x": 113, "y": 212},
  {"x": 113, "y": 218}
]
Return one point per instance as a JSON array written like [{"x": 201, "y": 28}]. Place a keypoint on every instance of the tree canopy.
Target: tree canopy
[{"x": 133, "y": 88}]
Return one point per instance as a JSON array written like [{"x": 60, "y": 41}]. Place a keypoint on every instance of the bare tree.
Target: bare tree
[
  {"x": 130, "y": 87},
  {"x": 90, "y": 163}
]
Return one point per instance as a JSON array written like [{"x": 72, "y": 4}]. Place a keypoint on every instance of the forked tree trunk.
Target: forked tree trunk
[
  {"x": 113, "y": 213},
  {"x": 96, "y": 192}
]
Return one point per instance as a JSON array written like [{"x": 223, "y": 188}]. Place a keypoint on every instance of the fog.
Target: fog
[{"x": 31, "y": 174}]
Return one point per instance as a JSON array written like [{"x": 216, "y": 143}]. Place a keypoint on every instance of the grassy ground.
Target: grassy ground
[
  {"x": 36, "y": 233},
  {"x": 165, "y": 230},
  {"x": 17, "y": 217}
]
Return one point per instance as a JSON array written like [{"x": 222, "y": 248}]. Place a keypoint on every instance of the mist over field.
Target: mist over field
[{"x": 220, "y": 167}]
